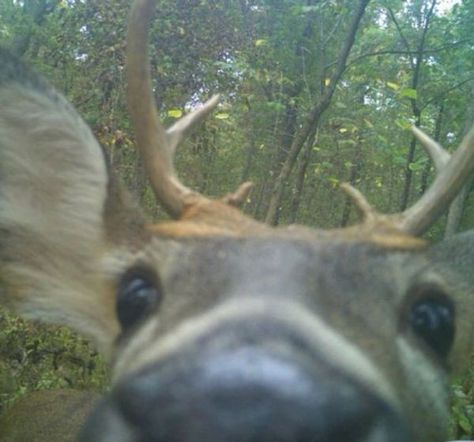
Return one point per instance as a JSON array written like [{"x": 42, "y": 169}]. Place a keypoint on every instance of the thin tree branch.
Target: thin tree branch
[
  {"x": 355, "y": 60},
  {"x": 400, "y": 32},
  {"x": 446, "y": 92}
]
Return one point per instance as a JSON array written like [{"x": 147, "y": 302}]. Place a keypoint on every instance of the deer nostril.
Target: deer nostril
[
  {"x": 252, "y": 395},
  {"x": 250, "y": 389}
]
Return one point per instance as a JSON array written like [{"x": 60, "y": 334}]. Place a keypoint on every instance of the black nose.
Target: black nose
[{"x": 253, "y": 395}]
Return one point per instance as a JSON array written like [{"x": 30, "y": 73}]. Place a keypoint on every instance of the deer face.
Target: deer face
[
  {"x": 220, "y": 328},
  {"x": 289, "y": 337}
]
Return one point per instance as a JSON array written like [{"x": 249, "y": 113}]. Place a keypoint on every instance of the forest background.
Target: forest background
[{"x": 313, "y": 93}]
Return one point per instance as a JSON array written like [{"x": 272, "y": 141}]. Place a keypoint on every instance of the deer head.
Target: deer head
[{"x": 217, "y": 327}]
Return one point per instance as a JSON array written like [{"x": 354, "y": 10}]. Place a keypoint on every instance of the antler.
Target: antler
[
  {"x": 437, "y": 153},
  {"x": 452, "y": 173},
  {"x": 157, "y": 145}
]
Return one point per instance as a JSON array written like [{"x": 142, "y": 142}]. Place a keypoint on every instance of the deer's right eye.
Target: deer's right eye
[
  {"x": 432, "y": 319},
  {"x": 139, "y": 294}
]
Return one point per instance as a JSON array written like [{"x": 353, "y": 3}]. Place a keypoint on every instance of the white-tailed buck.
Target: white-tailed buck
[{"x": 219, "y": 328}]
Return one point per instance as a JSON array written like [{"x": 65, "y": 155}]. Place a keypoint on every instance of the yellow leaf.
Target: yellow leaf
[
  {"x": 175, "y": 113},
  {"x": 342, "y": 130},
  {"x": 222, "y": 116},
  {"x": 327, "y": 82},
  {"x": 260, "y": 42},
  {"x": 393, "y": 86}
]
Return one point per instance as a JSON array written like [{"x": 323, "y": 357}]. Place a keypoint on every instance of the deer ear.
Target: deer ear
[
  {"x": 454, "y": 260},
  {"x": 55, "y": 208}
]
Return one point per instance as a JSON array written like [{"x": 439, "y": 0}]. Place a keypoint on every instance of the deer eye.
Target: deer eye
[
  {"x": 139, "y": 294},
  {"x": 432, "y": 319}
]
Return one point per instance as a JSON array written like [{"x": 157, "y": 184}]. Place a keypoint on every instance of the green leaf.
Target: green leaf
[
  {"x": 276, "y": 106},
  {"x": 222, "y": 116},
  {"x": 368, "y": 123},
  {"x": 408, "y": 93},
  {"x": 175, "y": 113},
  {"x": 307, "y": 9},
  {"x": 403, "y": 123},
  {"x": 417, "y": 165},
  {"x": 464, "y": 423},
  {"x": 393, "y": 86},
  {"x": 346, "y": 142}
]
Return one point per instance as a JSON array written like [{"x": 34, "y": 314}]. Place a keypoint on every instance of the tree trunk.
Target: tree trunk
[
  {"x": 310, "y": 123},
  {"x": 34, "y": 12},
  {"x": 408, "y": 172},
  {"x": 288, "y": 126},
  {"x": 416, "y": 63},
  {"x": 300, "y": 177}
]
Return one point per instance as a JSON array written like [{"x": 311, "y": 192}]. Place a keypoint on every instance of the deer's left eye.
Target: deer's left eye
[
  {"x": 432, "y": 319},
  {"x": 139, "y": 293}
]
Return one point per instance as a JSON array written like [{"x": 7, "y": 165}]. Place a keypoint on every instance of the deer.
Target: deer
[{"x": 218, "y": 327}]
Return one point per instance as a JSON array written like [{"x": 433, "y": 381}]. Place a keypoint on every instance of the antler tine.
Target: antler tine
[
  {"x": 366, "y": 211},
  {"x": 437, "y": 153},
  {"x": 239, "y": 196},
  {"x": 183, "y": 126},
  {"x": 443, "y": 190},
  {"x": 453, "y": 171}
]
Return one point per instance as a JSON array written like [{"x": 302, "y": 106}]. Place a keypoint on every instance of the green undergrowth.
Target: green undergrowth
[
  {"x": 38, "y": 357},
  {"x": 462, "y": 406}
]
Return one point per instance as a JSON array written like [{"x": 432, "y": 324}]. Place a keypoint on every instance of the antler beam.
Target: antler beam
[{"x": 157, "y": 145}]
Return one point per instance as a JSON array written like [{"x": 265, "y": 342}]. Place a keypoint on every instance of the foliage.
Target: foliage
[
  {"x": 462, "y": 407},
  {"x": 37, "y": 357}
]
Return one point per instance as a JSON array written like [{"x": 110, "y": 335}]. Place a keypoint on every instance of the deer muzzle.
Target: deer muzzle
[{"x": 258, "y": 380}]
